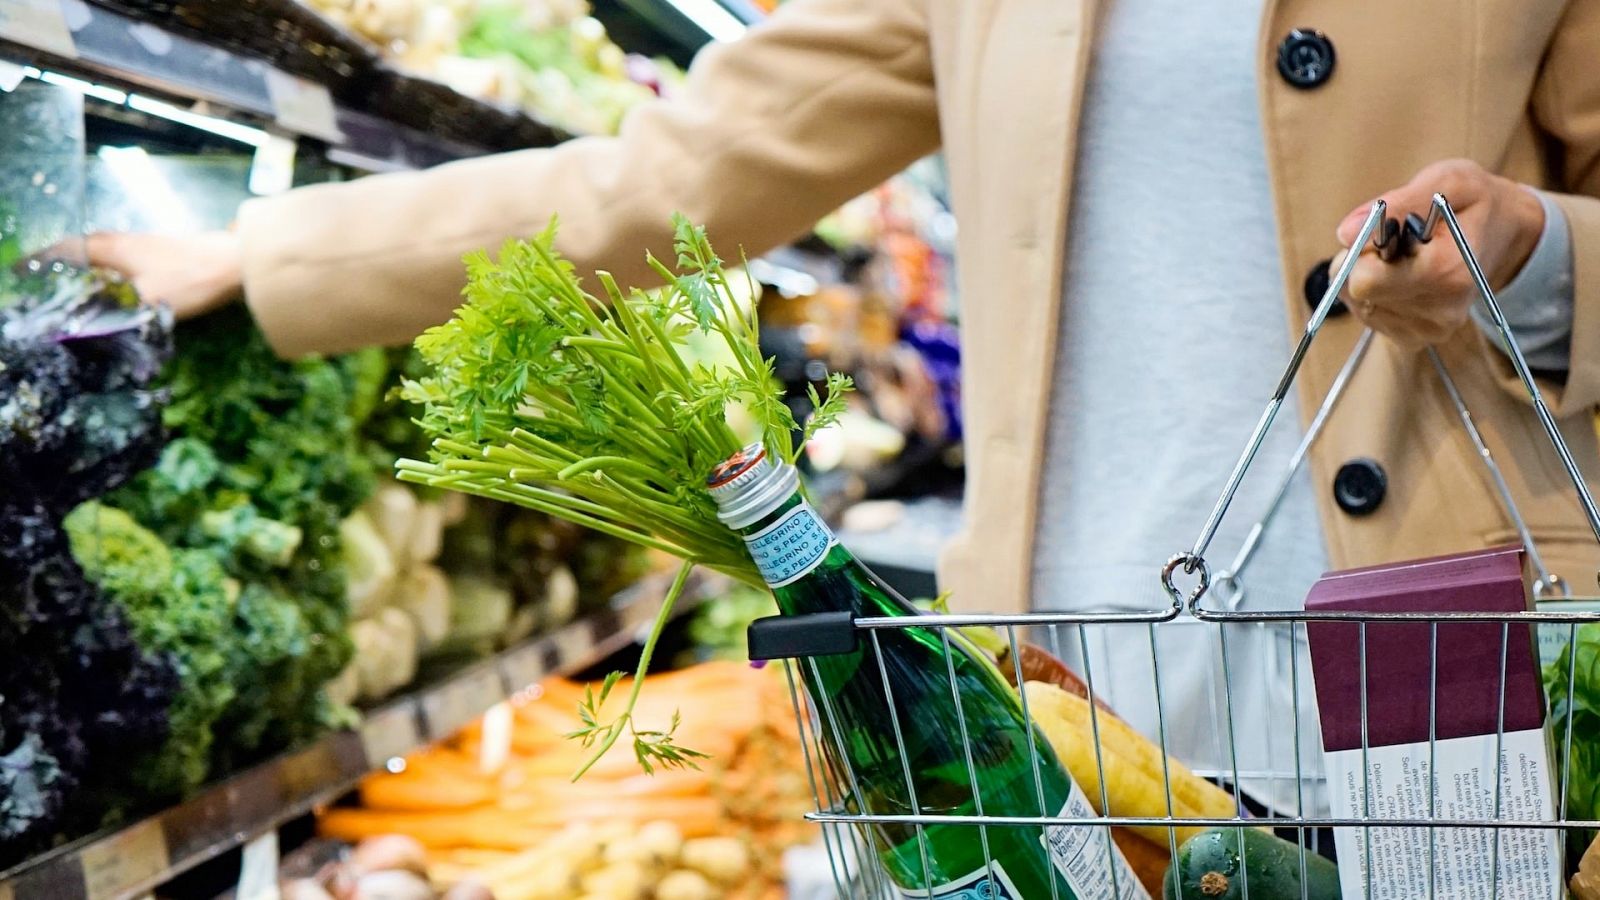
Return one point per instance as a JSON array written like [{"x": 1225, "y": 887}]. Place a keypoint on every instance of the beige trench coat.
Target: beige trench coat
[{"x": 832, "y": 96}]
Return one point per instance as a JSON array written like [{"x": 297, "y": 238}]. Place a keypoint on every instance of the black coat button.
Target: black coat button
[
  {"x": 1359, "y": 487},
  {"x": 1317, "y": 284},
  {"x": 1305, "y": 58}
]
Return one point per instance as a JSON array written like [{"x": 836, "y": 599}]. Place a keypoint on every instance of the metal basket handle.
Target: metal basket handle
[{"x": 1391, "y": 240}]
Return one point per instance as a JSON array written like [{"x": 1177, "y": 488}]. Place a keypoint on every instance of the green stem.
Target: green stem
[
  {"x": 663, "y": 616},
  {"x": 668, "y": 347},
  {"x": 528, "y": 497}
]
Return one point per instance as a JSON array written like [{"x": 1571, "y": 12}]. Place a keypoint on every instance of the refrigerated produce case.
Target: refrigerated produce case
[{"x": 165, "y": 117}]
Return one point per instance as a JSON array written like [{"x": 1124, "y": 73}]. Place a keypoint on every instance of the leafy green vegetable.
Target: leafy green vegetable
[
  {"x": 178, "y": 603},
  {"x": 583, "y": 407},
  {"x": 543, "y": 396},
  {"x": 243, "y": 530},
  {"x": 571, "y": 73},
  {"x": 267, "y": 459},
  {"x": 1572, "y": 683},
  {"x": 78, "y": 416},
  {"x": 29, "y": 778}
]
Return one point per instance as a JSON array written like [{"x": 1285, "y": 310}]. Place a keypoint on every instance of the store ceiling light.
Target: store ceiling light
[
  {"x": 86, "y": 88},
  {"x": 244, "y": 134},
  {"x": 711, "y": 17}
]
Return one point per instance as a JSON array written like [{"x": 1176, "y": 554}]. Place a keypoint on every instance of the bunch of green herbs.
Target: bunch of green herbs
[{"x": 586, "y": 408}]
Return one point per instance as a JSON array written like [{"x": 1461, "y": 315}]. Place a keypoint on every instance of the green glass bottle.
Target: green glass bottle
[{"x": 809, "y": 572}]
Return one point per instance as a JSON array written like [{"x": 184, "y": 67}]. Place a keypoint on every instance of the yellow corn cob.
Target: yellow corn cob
[{"x": 1131, "y": 763}]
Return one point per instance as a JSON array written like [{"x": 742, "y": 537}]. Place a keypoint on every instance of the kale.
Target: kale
[
  {"x": 78, "y": 417},
  {"x": 29, "y": 787},
  {"x": 266, "y": 460},
  {"x": 179, "y": 603}
]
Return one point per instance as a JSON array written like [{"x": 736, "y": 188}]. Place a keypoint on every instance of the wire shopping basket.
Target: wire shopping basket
[{"x": 1141, "y": 743}]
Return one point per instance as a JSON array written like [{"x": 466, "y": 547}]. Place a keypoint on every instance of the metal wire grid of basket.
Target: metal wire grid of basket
[
  {"x": 1261, "y": 744},
  {"x": 1274, "y": 759}
]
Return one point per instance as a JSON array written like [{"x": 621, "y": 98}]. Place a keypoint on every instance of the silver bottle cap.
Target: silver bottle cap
[{"x": 748, "y": 485}]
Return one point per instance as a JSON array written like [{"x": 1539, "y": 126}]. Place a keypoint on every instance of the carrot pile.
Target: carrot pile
[{"x": 516, "y": 822}]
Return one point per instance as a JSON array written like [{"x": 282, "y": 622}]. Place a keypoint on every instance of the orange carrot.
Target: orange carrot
[
  {"x": 415, "y": 792},
  {"x": 489, "y": 828}
]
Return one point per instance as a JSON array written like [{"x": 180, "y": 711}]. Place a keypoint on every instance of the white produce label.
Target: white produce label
[
  {"x": 39, "y": 24},
  {"x": 303, "y": 106},
  {"x": 258, "y": 869}
]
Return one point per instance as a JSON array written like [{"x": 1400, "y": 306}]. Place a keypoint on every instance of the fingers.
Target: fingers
[
  {"x": 1401, "y": 330},
  {"x": 1423, "y": 299},
  {"x": 101, "y": 249},
  {"x": 1462, "y": 180},
  {"x": 1418, "y": 301}
]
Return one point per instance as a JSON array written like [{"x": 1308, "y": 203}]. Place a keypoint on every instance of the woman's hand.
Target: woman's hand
[
  {"x": 193, "y": 274},
  {"x": 1424, "y": 299}
]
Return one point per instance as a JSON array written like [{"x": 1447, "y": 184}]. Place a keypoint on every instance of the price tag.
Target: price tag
[
  {"x": 39, "y": 24},
  {"x": 452, "y": 706},
  {"x": 639, "y": 612},
  {"x": 303, "y": 106},
  {"x": 522, "y": 668},
  {"x": 1554, "y": 636},
  {"x": 11, "y": 75},
  {"x": 258, "y": 870},
  {"x": 494, "y": 745},
  {"x": 131, "y": 858},
  {"x": 389, "y": 733},
  {"x": 272, "y": 167},
  {"x": 573, "y": 644}
]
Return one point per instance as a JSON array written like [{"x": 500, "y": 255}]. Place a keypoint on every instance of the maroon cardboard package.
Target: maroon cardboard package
[
  {"x": 1399, "y": 667},
  {"x": 1488, "y": 756}
]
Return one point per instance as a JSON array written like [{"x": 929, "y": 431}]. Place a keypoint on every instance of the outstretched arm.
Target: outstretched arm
[{"x": 768, "y": 135}]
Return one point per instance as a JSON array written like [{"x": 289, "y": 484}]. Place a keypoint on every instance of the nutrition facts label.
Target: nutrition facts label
[{"x": 1085, "y": 855}]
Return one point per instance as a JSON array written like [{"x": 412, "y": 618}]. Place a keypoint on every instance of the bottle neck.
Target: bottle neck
[
  {"x": 810, "y": 571},
  {"x": 791, "y": 542}
]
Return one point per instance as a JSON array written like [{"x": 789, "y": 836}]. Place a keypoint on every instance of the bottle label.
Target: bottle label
[
  {"x": 1086, "y": 856},
  {"x": 988, "y": 883},
  {"x": 791, "y": 547}
]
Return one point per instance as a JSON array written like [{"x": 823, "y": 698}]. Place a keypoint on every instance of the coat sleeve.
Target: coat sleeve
[
  {"x": 770, "y": 133},
  {"x": 1566, "y": 106}
]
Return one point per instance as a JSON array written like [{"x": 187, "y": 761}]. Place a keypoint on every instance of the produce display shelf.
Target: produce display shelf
[
  {"x": 291, "y": 70},
  {"x": 132, "y": 861},
  {"x": 669, "y": 24}
]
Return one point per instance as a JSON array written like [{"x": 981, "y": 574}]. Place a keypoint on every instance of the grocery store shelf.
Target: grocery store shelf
[
  {"x": 133, "y": 860},
  {"x": 270, "y": 62},
  {"x": 674, "y": 28}
]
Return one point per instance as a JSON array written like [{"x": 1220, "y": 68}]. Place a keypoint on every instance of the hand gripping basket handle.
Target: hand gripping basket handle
[{"x": 1391, "y": 240}]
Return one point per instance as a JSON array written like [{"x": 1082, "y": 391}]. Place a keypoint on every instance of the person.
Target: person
[{"x": 1141, "y": 189}]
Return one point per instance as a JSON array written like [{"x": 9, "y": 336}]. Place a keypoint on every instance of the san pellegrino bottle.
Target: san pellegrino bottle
[{"x": 809, "y": 572}]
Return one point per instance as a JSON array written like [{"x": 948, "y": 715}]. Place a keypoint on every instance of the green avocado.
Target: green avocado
[{"x": 1209, "y": 867}]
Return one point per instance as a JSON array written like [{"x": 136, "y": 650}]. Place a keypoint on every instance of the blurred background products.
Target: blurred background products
[{"x": 231, "y": 611}]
